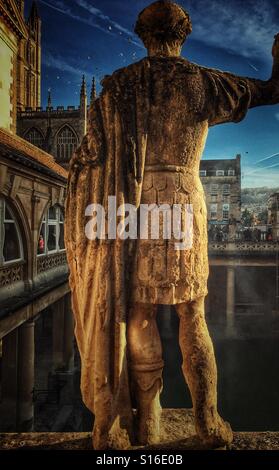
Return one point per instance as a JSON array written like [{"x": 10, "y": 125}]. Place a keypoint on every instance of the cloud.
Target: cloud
[
  {"x": 63, "y": 9},
  {"x": 99, "y": 14},
  {"x": 243, "y": 28},
  {"x": 106, "y": 25},
  {"x": 265, "y": 177},
  {"x": 57, "y": 62},
  {"x": 269, "y": 179}
]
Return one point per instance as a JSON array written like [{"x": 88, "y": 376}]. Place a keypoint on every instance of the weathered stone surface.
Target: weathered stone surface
[
  {"x": 146, "y": 136},
  {"x": 177, "y": 433}
]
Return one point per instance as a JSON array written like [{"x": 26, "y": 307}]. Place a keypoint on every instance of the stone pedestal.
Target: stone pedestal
[
  {"x": 178, "y": 434},
  {"x": 26, "y": 351}
]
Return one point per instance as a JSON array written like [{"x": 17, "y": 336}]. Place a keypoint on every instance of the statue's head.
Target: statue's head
[{"x": 163, "y": 28}]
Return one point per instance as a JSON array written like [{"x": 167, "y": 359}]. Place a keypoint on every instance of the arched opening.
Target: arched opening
[
  {"x": 66, "y": 144},
  {"x": 35, "y": 137},
  {"x": 11, "y": 246},
  {"x": 51, "y": 237}
]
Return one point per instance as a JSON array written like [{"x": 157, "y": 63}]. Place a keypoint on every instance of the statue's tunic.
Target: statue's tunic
[
  {"x": 147, "y": 132},
  {"x": 184, "y": 101}
]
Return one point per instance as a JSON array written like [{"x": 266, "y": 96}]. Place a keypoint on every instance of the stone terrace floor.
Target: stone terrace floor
[{"x": 177, "y": 434}]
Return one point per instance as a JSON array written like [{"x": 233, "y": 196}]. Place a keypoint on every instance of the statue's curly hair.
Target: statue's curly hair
[{"x": 163, "y": 21}]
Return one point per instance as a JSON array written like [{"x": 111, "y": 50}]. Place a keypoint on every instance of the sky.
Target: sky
[{"x": 95, "y": 37}]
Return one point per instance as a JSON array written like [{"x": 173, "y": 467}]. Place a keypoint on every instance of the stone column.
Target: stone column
[
  {"x": 26, "y": 353},
  {"x": 165, "y": 321},
  {"x": 8, "y": 408},
  {"x": 68, "y": 334},
  {"x": 58, "y": 335},
  {"x": 62, "y": 377},
  {"x": 230, "y": 311}
]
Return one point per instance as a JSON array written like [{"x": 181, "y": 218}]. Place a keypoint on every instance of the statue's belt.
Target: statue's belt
[
  {"x": 184, "y": 177},
  {"x": 172, "y": 169}
]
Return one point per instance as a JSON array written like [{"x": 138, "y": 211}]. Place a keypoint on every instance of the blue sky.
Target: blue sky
[{"x": 95, "y": 37}]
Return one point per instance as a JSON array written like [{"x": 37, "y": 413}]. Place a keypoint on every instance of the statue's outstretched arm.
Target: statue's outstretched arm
[
  {"x": 266, "y": 92},
  {"x": 228, "y": 97}
]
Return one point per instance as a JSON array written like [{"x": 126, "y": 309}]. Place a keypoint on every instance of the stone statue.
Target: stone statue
[{"x": 146, "y": 135}]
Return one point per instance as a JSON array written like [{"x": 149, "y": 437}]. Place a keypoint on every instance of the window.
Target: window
[
  {"x": 231, "y": 173},
  {"x": 202, "y": 172},
  {"x": 10, "y": 239},
  {"x": 26, "y": 86},
  {"x": 66, "y": 144},
  {"x": 213, "y": 211},
  {"x": 32, "y": 89},
  {"x": 226, "y": 189},
  {"x": 32, "y": 55},
  {"x": 226, "y": 211},
  {"x": 214, "y": 189},
  {"x": 214, "y": 198},
  {"x": 220, "y": 173},
  {"x": 35, "y": 137},
  {"x": 51, "y": 237}
]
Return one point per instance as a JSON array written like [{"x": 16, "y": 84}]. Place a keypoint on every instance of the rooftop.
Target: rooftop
[
  {"x": 14, "y": 143},
  {"x": 221, "y": 164}
]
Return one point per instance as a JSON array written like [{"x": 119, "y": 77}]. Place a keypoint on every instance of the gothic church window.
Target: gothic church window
[
  {"x": 66, "y": 144},
  {"x": 35, "y": 137},
  {"x": 11, "y": 248}
]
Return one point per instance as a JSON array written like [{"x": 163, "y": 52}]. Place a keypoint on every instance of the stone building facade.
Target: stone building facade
[
  {"x": 33, "y": 266},
  {"x": 13, "y": 31},
  {"x": 29, "y": 59},
  {"x": 20, "y": 52},
  {"x": 58, "y": 131},
  {"x": 221, "y": 180},
  {"x": 33, "y": 273}
]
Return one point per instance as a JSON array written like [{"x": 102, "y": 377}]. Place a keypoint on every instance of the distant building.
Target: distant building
[
  {"x": 58, "y": 131},
  {"x": 273, "y": 215},
  {"x": 221, "y": 180}
]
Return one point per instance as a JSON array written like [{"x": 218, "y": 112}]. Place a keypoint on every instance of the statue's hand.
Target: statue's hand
[{"x": 275, "y": 48}]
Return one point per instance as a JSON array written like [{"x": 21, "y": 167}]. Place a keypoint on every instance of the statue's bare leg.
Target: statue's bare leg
[
  {"x": 199, "y": 368},
  {"x": 146, "y": 365}
]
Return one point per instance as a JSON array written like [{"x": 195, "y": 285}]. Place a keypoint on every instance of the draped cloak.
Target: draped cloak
[{"x": 111, "y": 162}]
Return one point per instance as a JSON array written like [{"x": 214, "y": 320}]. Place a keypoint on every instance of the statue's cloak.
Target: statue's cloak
[{"x": 109, "y": 162}]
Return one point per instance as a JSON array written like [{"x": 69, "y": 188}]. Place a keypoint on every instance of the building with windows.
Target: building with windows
[
  {"x": 221, "y": 180},
  {"x": 33, "y": 266},
  {"x": 33, "y": 271},
  {"x": 58, "y": 131}
]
